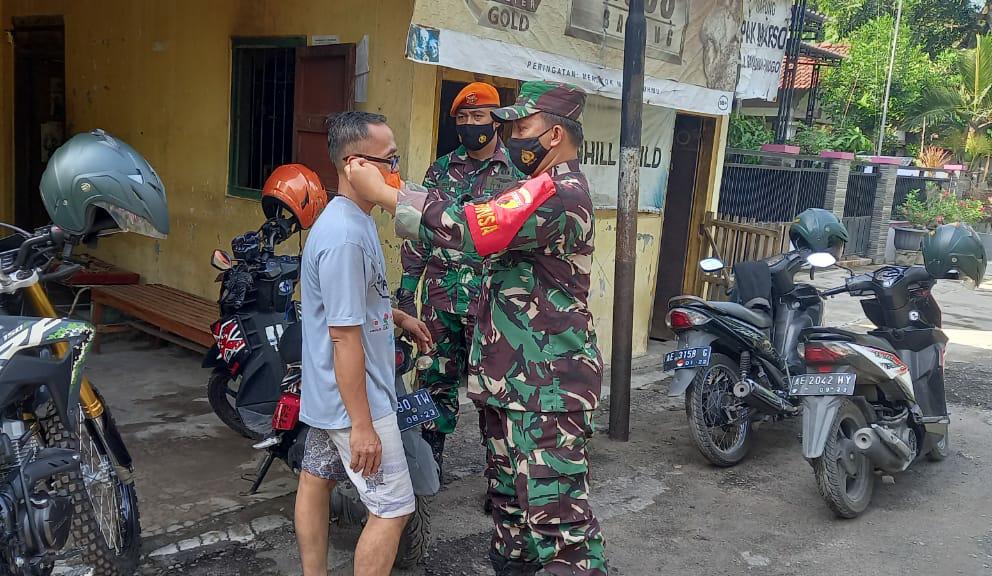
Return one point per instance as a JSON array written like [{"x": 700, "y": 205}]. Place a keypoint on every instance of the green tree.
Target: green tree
[
  {"x": 936, "y": 24},
  {"x": 852, "y": 93},
  {"x": 967, "y": 107}
]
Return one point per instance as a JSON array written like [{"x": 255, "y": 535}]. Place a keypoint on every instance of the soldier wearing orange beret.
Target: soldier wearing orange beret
[{"x": 475, "y": 170}]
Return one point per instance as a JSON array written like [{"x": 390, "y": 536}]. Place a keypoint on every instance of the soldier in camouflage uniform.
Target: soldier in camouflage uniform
[
  {"x": 473, "y": 171},
  {"x": 534, "y": 362}
]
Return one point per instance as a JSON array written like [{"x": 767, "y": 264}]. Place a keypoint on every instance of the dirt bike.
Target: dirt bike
[{"x": 92, "y": 497}]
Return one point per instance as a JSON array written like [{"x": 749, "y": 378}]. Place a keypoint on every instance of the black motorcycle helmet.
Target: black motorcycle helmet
[
  {"x": 97, "y": 184},
  {"x": 818, "y": 230},
  {"x": 954, "y": 248}
]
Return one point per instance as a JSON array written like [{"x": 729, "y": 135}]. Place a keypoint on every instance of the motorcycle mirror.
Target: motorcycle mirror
[
  {"x": 821, "y": 260},
  {"x": 711, "y": 264},
  {"x": 221, "y": 260}
]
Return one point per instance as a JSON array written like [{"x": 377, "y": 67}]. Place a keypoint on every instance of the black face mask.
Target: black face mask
[
  {"x": 476, "y": 136},
  {"x": 527, "y": 153}
]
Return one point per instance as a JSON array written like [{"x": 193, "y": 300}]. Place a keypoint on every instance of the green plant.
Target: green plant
[
  {"x": 748, "y": 133},
  {"x": 940, "y": 207}
]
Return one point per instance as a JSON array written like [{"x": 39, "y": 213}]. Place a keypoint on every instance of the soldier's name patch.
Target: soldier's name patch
[{"x": 494, "y": 224}]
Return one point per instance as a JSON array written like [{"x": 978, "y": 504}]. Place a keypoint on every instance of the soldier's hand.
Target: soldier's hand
[
  {"x": 418, "y": 330},
  {"x": 366, "y": 179},
  {"x": 366, "y": 449}
]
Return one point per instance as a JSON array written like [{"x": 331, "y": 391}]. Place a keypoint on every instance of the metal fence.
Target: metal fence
[
  {"x": 862, "y": 184},
  {"x": 926, "y": 176},
  {"x": 768, "y": 187}
]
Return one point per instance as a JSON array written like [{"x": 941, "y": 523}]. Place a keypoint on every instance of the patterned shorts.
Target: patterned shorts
[{"x": 321, "y": 457}]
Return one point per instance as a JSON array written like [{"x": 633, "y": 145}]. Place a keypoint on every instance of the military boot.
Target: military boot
[{"x": 507, "y": 567}]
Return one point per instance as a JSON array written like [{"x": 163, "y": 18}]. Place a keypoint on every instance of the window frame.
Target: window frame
[{"x": 233, "y": 190}]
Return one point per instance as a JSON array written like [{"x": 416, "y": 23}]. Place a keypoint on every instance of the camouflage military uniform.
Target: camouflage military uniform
[
  {"x": 451, "y": 278},
  {"x": 534, "y": 361}
]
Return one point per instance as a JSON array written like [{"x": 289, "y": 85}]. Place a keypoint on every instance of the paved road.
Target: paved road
[{"x": 666, "y": 511}]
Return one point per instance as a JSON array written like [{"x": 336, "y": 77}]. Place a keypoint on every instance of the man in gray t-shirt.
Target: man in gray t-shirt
[{"x": 349, "y": 395}]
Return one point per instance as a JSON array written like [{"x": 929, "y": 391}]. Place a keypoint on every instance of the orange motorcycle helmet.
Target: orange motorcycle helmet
[{"x": 297, "y": 189}]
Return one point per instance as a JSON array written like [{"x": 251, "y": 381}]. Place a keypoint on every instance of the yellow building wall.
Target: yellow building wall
[{"x": 157, "y": 74}]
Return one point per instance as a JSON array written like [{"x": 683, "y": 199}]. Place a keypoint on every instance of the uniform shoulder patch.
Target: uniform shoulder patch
[{"x": 494, "y": 224}]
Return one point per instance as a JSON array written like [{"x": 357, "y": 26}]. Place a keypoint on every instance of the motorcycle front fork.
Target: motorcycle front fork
[{"x": 88, "y": 400}]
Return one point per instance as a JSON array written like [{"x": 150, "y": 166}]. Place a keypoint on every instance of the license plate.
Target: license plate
[
  {"x": 687, "y": 358},
  {"x": 415, "y": 409},
  {"x": 833, "y": 384}
]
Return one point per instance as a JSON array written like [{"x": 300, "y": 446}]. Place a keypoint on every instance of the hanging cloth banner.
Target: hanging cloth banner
[
  {"x": 692, "y": 51},
  {"x": 764, "y": 35}
]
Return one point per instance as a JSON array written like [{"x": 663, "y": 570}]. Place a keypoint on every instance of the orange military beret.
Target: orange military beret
[{"x": 475, "y": 95}]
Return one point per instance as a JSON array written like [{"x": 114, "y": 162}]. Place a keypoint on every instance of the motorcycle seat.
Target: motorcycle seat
[
  {"x": 849, "y": 336},
  {"x": 735, "y": 310}
]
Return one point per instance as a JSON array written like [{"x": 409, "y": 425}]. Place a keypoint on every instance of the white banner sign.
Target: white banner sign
[
  {"x": 600, "y": 155},
  {"x": 467, "y": 52},
  {"x": 764, "y": 35}
]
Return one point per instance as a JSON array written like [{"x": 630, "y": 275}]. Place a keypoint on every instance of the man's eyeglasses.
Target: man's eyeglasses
[{"x": 393, "y": 161}]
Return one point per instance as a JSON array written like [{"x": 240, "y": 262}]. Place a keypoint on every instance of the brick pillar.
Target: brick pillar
[
  {"x": 885, "y": 191},
  {"x": 839, "y": 170}
]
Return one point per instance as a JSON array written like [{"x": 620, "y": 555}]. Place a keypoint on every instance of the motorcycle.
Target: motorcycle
[
  {"x": 876, "y": 400},
  {"x": 256, "y": 305},
  {"x": 733, "y": 359},
  {"x": 64, "y": 464},
  {"x": 287, "y": 440}
]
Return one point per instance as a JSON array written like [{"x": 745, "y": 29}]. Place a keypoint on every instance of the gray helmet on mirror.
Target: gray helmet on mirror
[{"x": 97, "y": 184}]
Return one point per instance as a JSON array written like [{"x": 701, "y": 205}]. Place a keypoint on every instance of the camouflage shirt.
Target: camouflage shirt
[
  {"x": 534, "y": 346},
  {"x": 451, "y": 277}
]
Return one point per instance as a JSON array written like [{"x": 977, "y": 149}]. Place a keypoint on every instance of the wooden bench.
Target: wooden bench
[{"x": 164, "y": 312}]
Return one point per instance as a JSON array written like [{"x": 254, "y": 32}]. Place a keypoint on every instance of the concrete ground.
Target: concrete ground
[{"x": 663, "y": 508}]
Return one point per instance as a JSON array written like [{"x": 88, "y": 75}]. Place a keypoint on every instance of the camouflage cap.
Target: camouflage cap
[{"x": 553, "y": 97}]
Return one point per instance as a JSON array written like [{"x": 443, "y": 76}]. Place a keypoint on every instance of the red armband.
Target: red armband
[{"x": 495, "y": 223}]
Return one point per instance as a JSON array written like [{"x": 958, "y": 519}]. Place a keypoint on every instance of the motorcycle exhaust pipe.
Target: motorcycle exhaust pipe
[
  {"x": 757, "y": 396},
  {"x": 883, "y": 448}
]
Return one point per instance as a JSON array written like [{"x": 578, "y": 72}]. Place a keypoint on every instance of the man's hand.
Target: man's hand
[
  {"x": 366, "y": 449},
  {"x": 415, "y": 328},
  {"x": 367, "y": 180}
]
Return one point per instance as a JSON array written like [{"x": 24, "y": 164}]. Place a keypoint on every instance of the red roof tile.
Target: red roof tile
[{"x": 804, "y": 70}]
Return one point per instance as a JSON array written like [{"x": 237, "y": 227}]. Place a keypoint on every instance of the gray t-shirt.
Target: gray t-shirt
[{"x": 343, "y": 283}]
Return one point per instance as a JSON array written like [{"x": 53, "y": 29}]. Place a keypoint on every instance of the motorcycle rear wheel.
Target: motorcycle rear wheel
[
  {"x": 844, "y": 477},
  {"x": 346, "y": 507},
  {"x": 221, "y": 399},
  {"x": 709, "y": 396},
  {"x": 106, "y": 526}
]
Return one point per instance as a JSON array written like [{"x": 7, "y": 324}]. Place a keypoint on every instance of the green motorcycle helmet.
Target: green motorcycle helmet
[
  {"x": 955, "y": 248},
  {"x": 95, "y": 184},
  {"x": 818, "y": 230}
]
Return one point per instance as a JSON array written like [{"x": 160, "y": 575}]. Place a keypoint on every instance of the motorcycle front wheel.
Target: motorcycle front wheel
[
  {"x": 221, "y": 393},
  {"x": 105, "y": 522},
  {"x": 719, "y": 422}
]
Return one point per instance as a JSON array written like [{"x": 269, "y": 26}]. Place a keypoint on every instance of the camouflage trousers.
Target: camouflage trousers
[
  {"x": 539, "y": 486},
  {"x": 452, "y": 335}
]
